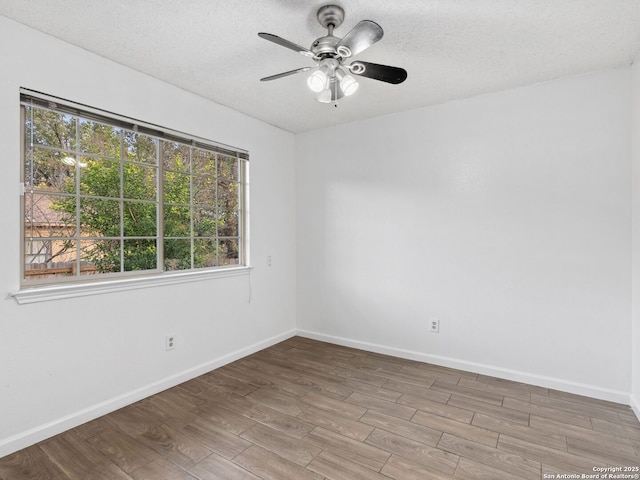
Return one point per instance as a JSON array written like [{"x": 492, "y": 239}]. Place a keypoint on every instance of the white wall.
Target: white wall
[
  {"x": 505, "y": 216},
  {"x": 635, "y": 139},
  {"x": 67, "y": 361}
]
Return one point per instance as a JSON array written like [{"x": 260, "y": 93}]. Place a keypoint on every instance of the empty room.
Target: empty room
[{"x": 285, "y": 239}]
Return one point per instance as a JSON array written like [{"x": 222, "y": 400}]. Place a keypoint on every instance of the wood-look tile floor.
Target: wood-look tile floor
[{"x": 304, "y": 409}]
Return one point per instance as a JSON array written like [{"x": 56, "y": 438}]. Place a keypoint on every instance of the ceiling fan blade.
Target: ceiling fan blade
[
  {"x": 285, "y": 43},
  {"x": 384, "y": 73},
  {"x": 286, "y": 74},
  {"x": 361, "y": 37}
]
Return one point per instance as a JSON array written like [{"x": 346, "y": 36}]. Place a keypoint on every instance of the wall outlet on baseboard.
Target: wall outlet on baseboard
[
  {"x": 434, "y": 325},
  {"x": 170, "y": 341}
]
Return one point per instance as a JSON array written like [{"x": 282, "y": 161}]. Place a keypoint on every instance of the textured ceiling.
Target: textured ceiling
[{"x": 450, "y": 48}]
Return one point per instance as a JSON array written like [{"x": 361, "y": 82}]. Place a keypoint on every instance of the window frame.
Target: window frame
[{"x": 88, "y": 284}]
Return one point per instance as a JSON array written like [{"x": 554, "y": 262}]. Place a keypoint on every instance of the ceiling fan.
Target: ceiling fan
[{"x": 331, "y": 78}]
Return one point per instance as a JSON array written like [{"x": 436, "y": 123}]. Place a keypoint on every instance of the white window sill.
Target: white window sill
[{"x": 60, "y": 292}]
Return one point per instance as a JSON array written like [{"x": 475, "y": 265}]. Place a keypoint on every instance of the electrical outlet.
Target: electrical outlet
[
  {"x": 268, "y": 260},
  {"x": 434, "y": 325},
  {"x": 170, "y": 341}
]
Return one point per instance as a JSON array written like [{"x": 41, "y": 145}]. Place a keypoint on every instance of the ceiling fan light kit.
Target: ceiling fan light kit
[{"x": 331, "y": 78}]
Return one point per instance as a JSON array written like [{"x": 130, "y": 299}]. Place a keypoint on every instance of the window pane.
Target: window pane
[
  {"x": 49, "y": 171},
  {"x": 100, "y": 178},
  {"x": 43, "y": 127},
  {"x": 177, "y": 254},
  {"x": 140, "y": 182},
  {"x": 204, "y": 222},
  {"x": 102, "y": 255},
  {"x": 140, "y": 255},
  {"x": 229, "y": 252},
  {"x": 99, "y": 139},
  {"x": 204, "y": 190},
  {"x": 177, "y": 188},
  {"x": 205, "y": 252},
  {"x": 175, "y": 156},
  {"x": 229, "y": 223},
  {"x": 49, "y": 258},
  {"x": 177, "y": 221},
  {"x": 228, "y": 167},
  {"x": 204, "y": 163},
  {"x": 37, "y": 252},
  {"x": 139, "y": 219},
  {"x": 48, "y": 215},
  {"x": 140, "y": 148},
  {"x": 228, "y": 195},
  {"x": 99, "y": 218}
]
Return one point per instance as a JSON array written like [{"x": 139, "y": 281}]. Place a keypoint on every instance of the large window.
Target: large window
[{"x": 106, "y": 196}]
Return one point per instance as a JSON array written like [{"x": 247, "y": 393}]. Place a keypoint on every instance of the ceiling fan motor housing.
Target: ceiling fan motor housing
[{"x": 324, "y": 47}]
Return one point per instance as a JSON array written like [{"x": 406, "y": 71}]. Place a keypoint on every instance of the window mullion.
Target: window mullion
[
  {"x": 243, "y": 226},
  {"x": 78, "y": 200},
  {"x": 216, "y": 209},
  {"x": 121, "y": 193},
  {"x": 160, "y": 206},
  {"x": 23, "y": 199},
  {"x": 191, "y": 209}
]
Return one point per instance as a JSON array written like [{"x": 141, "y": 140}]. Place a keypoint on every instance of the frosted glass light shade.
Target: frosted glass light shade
[
  {"x": 317, "y": 81},
  {"x": 348, "y": 85},
  {"x": 324, "y": 96}
]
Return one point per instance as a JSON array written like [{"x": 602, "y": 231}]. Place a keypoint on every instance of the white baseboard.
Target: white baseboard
[
  {"x": 42, "y": 432},
  {"x": 508, "y": 374}
]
